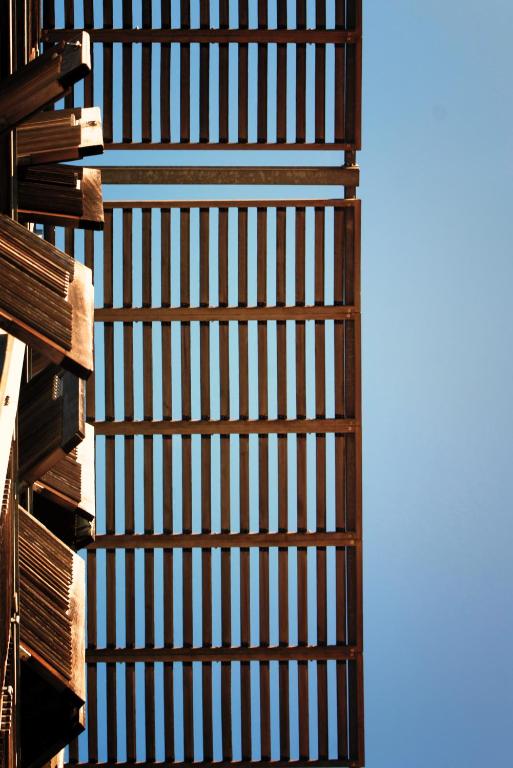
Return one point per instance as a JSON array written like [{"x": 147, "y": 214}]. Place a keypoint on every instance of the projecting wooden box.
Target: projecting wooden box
[{"x": 51, "y": 594}]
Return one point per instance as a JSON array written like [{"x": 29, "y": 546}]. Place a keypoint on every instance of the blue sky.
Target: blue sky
[{"x": 437, "y": 333}]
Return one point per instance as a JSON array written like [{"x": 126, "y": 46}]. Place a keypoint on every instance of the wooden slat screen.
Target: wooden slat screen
[
  {"x": 224, "y": 585},
  {"x": 221, "y": 79},
  {"x": 229, "y": 542}
]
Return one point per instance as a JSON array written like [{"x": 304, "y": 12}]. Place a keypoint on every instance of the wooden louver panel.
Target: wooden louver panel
[
  {"x": 44, "y": 80},
  {"x": 258, "y": 60},
  {"x": 51, "y": 421},
  {"x": 51, "y": 603},
  {"x": 66, "y": 134},
  {"x": 216, "y": 459},
  {"x": 64, "y": 501},
  {"x": 46, "y": 298},
  {"x": 61, "y": 194}
]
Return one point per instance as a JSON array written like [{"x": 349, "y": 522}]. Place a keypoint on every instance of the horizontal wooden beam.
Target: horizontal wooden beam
[
  {"x": 239, "y": 653},
  {"x": 313, "y": 203},
  {"x": 227, "y": 427},
  {"x": 223, "y": 540},
  {"x": 235, "y": 146},
  {"x": 336, "y": 176},
  {"x": 318, "y": 36},
  {"x": 221, "y": 314}
]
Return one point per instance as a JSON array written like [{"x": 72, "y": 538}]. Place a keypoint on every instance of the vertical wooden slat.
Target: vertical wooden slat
[
  {"x": 281, "y": 329},
  {"x": 49, "y": 14},
  {"x": 243, "y": 76},
  {"x": 342, "y": 744},
  {"x": 204, "y": 326},
  {"x": 322, "y": 625},
  {"x": 223, "y": 257},
  {"x": 224, "y": 106},
  {"x": 302, "y": 596},
  {"x": 92, "y": 669},
  {"x": 301, "y": 482},
  {"x": 242, "y": 256},
  {"x": 319, "y": 255},
  {"x": 204, "y": 75},
  {"x": 340, "y": 260},
  {"x": 185, "y": 76},
  {"x": 73, "y": 752},
  {"x": 224, "y": 358},
  {"x": 149, "y": 601},
  {"x": 166, "y": 327},
  {"x": 69, "y": 23},
  {"x": 243, "y": 300},
  {"x": 300, "y": 370},
  {"x": 245, "y": 717},
  {"x": 165, "y": 77},
  {"x": 301, "y": 75},
  {"x": 265, "y": 712},
  {"x": 322, "y": 710},
  {"x": 111, "y": 600},
  {"x": 320, "y": 481},
  {"x": 108, "y": 327},
  {"x": 184, "y": 257},
  {"x": 340, "y": 75},
  {"x": 303, "y": 709},
  {"x": 349, "y": 369},
  {"x": 355, "y": 701},
  {"x": 188, "y": 712},
  {"x": 107, "y": 76},
  {"x": 146, "y": 76},
  {"x": 284, "y": 710},
  {"x": 169, "y": 744},
  {"x": 262, "y": 76},
  {"x": 340, "y": 483},
  {"x": 224, "y": 379},
  {"x": 281, "y": 85},
  {"x": 352, "y": 91},
  {"x": 320, "y": 77},
  {"x": 262, "y": 94},
  {"x": 261, "y": 257},
  {"x": 244, "y": 483},
  {"x": 300, "y": 256},
  {"x": 208, "y": 742},
  {"x": 281, "y": 256},
  {"x": 127, "y": 74},
  {"x": 168, "y": 600},
  {"x": 130, "y": 598},
  {"x": 226, "y": 710}
]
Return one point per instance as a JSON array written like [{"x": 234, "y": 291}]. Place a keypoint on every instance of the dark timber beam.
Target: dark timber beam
[
  {"x": 225, "y": 653},
  {"x": 231, "y": 175},
  {"x": 318, "y": 36},
  {"x": 222, "y": 314},
  {"x": 224, "y": 540},
  {"x": 227, "y": 427}
]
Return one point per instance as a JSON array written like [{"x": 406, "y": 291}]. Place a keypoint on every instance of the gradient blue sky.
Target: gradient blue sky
[{"x": 437, "y": 338}]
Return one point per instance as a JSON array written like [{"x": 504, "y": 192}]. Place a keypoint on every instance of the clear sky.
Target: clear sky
[{"x": 437, "y": 340}]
